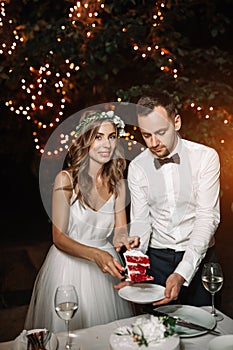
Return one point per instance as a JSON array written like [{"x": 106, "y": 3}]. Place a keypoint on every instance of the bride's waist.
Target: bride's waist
[{"x": 95, "y": 242}]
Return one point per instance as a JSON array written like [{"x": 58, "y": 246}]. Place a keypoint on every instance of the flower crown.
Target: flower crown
[{"x": 110, "y": 115}]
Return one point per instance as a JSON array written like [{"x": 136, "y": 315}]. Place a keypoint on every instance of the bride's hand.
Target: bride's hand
[
  {"x": 107, "y": 263},
  {"x": 122, "y": 284},
  {"x": 127, "y": 241}
]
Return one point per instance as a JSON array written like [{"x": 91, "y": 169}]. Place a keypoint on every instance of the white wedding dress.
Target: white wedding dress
[{"x": 99, "y": 303}]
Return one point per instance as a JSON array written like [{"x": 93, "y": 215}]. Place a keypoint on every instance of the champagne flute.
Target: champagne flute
[
  {"x": 212, "y": 279},
  {"x": 66, "y": 305}
]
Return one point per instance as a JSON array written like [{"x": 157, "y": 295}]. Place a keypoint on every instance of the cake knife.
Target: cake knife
[{"x": 184, "y": 323}]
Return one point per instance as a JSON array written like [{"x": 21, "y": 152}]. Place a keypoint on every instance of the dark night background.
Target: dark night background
[{"x": 197, "y": 35}]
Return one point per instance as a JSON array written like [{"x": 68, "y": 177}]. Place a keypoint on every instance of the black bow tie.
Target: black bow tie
[{"x": 158, "y": 162}]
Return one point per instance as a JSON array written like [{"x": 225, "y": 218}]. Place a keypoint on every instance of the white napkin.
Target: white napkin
[{"x": 20, "y": 343}]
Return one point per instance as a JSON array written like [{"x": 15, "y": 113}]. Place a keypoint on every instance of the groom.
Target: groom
[{"x": 174, "y": 186}]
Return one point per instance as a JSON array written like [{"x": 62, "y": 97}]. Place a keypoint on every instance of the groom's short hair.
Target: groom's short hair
[{"x": 146, "y": 104}]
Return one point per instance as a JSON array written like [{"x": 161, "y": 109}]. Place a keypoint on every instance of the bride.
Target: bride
[{"x": 88, "y": 204}]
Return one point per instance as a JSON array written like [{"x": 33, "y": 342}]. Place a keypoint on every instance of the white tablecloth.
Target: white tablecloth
[{"x": 97, "y": 338}]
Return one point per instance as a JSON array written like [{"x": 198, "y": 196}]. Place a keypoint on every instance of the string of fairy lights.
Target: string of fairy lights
[
  {"x": 42, "y": 81},
  {"x": 150, "y": 51},
  {"x": 207, "y": 113},
  {"x": 87, "y": 13},
  {"x": 45, "y": 89},
  {"x": 9, "y": 42}
]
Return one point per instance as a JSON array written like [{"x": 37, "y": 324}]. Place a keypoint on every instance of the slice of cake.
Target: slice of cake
[
  {"x": 148, "y": 332},
  {"x": 137, "y": 264}
]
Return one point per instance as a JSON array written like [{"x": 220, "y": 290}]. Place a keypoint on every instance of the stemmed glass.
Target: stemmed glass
[
  {"x": 212, "y": 279},
  {"x": 66, "y": 305}
]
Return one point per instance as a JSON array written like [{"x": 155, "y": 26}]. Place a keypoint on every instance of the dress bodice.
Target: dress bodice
[{"x": 89, "y": 226}]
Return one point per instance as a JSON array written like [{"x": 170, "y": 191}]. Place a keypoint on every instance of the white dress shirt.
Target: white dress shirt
[{"x": 177, "y": 205}]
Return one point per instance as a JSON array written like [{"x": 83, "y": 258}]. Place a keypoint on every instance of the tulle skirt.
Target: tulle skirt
[{"x": 99, "y": 302}]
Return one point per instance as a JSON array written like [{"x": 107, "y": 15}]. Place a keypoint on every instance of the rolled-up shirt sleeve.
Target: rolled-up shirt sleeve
[
  {"x": 139, "y": 213},
  {"x": 207, "y": 216}
]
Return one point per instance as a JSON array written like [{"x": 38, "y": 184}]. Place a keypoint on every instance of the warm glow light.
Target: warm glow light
[
  {"x": 45, "y": 109},
  {"x": 10, "y": 37},
  {"x": 38, "y": 100}
]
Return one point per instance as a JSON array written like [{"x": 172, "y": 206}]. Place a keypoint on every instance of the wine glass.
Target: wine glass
[
  {"x": 66, "y": 305},
  {"x": 212, "y": 279}
]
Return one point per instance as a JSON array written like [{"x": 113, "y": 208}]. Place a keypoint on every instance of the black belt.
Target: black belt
[{"x": 169, "y": 250}]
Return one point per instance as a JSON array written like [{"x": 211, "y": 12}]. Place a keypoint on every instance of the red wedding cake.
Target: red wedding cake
[{"x": 137, "y": 264}]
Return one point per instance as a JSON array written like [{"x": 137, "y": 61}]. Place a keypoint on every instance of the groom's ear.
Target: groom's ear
[{"x": 177, "y": 122}]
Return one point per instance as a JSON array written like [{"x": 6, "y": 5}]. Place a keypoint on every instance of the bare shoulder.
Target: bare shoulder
[{"x": 63, "y": 179}]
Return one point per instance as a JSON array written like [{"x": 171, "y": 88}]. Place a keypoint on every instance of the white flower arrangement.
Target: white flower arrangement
[
  {"x": 149, "y": 330},
  {"x": 110, "y": 115}
]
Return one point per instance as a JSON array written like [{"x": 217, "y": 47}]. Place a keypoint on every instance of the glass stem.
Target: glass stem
[
  {"x": 68, "y": 335},
  {"x": 213, "y": 312}
]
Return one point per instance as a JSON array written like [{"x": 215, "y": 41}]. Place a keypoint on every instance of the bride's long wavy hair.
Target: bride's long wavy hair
[{"x": 78, "y": 161}]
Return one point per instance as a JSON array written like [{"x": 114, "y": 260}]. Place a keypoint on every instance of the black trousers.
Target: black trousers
[{"x": 163, "y": 263}]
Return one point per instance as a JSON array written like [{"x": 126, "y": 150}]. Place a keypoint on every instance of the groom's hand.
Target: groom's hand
[{"x": 173, "y": 285}]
